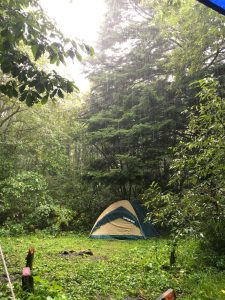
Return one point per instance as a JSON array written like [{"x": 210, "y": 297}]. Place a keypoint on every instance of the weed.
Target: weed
[{"x": 117, "y": 270}]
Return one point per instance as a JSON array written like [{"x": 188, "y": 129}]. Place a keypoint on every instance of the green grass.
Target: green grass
[{"x": 117, "y": 270}]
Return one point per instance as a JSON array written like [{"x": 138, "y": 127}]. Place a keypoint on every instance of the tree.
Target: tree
[
  {"x": 46, "y": 142},
  {"x": 141, "y": 85},
  {"x": 200, "y": 164},
  {"x": 24, "y": 27},
  {"x": 133, "y": 113},
  {"x": 196, "y": 34},
  {"x": 197, "y": 203}
]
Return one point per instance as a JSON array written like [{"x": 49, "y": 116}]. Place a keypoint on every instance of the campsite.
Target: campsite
[
  {"x": 112, "y": 149},
  {"x": 117, "y": 269}
]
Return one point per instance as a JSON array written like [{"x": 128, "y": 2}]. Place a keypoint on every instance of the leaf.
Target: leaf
[
  {"x": 34, "y": 50},
  {"x": 15, "y": 93},
  {"x": 61, "y": 58},
  {"x": 52, "y": 95},
  {"x": 44, "y": 100},
  {"x": 53, "y": 58},
  {"x": 78, "y": 56},
  {"x": 70, "y": 53},
  {"x": 60, "y": 93},
  {"x": 5, "y": 66},
  {"x": 40, "y": 51},
  {"x": 40, "y": 87},
  {"x": 23, "y": 96},
  {"x": 30, "y": 100},
  {"x": 69, "y": 87},
  {"x": 22, "y": 87},
  {"x": 90, "y": 50},
  {"x": 36, "y": 96},
  {"x": 76, "y": 88}
]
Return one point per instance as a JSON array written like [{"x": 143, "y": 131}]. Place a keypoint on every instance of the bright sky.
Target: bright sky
[{"x": 78, "y": 19}]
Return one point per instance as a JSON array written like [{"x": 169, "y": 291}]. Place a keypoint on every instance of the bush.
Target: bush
[
  {"x": 21, "y": 195},
  {"x": 43, "y": 290},
  {"x": 214, "y": 235},
  {"x": 50, "y": 216}
]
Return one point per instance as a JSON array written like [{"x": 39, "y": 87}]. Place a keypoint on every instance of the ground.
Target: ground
[{"x": 116, "y": 270}]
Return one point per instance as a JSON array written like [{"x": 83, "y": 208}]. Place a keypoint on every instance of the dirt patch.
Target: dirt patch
[
  {"x": 95, "y": 258},
  {"x": 69, "y": 253}
]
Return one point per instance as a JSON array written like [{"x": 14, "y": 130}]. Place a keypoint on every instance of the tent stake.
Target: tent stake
[{"x": 7, "y": 274}]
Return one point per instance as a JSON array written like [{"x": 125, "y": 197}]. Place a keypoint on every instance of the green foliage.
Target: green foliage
[
  {"x": 7, "y": 159},
  {"x": 131, "y": 119},
  {"x": 163, "y": 212},
  {"x": 44, "y": 290},
  {"x": 198, "y": 174},
  {"x": 134, "y": 110},
  {"x": 86, "y": 201},
  {"x": 24, "y": 23},
  {"x": 48, "y": 140},
  {"x": 21, "y": 195},
  {"x": 140, "y": 85},
  {"x": 117, "y": 270},
  {"x": 49, "y": 216},
  {"x": 195, "y": 33},
  {"x": 199, "y": 166}
]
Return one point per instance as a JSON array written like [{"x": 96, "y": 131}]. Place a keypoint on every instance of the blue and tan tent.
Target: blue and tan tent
[
  {"x": 218, "y": 5},
  {"x": 123, "y": 220}
]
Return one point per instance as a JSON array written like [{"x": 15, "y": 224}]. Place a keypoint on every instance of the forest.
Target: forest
[{"x": 151, "y": 128}]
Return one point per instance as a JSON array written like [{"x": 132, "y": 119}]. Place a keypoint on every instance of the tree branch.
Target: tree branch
[
  {"x": 213, "y": 60},
  {"x": 10, "y": 116}
]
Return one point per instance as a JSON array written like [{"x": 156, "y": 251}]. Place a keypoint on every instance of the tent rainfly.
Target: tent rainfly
[
  {"x": 217, "y": 5},
  {"x": 123, "y": 220}
]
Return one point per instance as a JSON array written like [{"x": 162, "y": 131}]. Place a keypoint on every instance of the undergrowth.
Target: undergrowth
[{"x": 116, "y": 270}]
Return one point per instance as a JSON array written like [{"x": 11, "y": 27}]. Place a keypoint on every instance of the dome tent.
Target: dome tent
[
  {"x": 217, "y": 5},
  {"x": 123, "y": 220}
]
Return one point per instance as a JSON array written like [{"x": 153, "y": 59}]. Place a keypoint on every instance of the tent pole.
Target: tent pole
[{"x": 7, "y": 274}]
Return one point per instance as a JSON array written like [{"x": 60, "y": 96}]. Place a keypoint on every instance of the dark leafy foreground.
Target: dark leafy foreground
[{"x": 116, "y": 270}]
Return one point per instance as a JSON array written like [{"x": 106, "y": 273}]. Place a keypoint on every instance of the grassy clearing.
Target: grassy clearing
[{"x": 117, "y": 270}]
